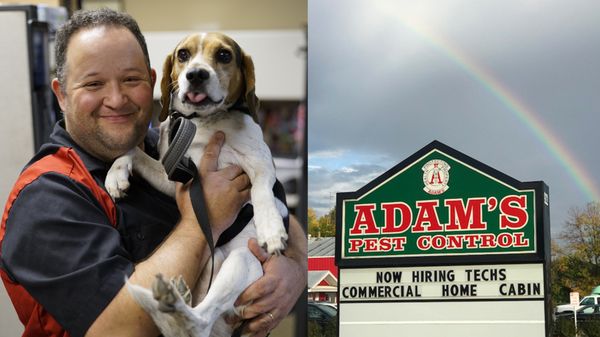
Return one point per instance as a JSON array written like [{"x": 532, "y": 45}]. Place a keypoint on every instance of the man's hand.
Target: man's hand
[
  {"x": 225, "y": 190},
  {"x": 273, "y": 296}
]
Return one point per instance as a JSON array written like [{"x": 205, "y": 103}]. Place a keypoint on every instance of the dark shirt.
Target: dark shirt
[{"x": 63, "y": 249}]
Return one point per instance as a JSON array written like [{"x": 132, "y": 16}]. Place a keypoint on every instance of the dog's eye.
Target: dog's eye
[
  {"x": 224, "y": 56},
  {"x": 183, "y": 55}
]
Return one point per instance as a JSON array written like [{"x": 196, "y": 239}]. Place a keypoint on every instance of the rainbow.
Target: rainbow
[{"x": 528, "y": 116}]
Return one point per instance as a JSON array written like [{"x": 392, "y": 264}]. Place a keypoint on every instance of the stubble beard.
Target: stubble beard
[
  {"x": 117, "y": 143},
  {"x": 105, "y": 144}
]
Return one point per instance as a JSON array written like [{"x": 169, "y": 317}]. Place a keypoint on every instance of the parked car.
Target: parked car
[
  {"x": 588, "y": 322},
  {"x": 588, "y": 300},
  {"x": 585, "y": 313},
  {"x": 320, "y": 313},
  {"x": 589, "y": 313},
  {"x": 333, "y": 305}
]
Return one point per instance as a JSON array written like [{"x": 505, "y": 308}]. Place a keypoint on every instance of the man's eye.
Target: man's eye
[
  {"x": 132, "y": 79},
  {"x": 223, "y": 56},
  {"x": 94, "y": 84},
  {"x": 183, "y": 55}
]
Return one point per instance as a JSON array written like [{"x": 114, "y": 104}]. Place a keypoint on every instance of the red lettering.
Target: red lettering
[
  {"x": 399, "y": 243},
  {"x": 455, "y": 241},
  {"x": 391, "y": 210},
  {"x": 355, "y": 244},
  {"x": 520, "y": 241},
  {"x": 487, "y": 241},
  {"x": 371, "y": 245},
  {"x": 471, "y": 238},
  {"x": 438, "y": 242},
  {"x": 385, "y": 245},
  {"x": 423, "y": 242},
  {"x": 505, "y": 240},
  {"x": 427, "y": 214},
  {"x": 364, "y": 223},
  {"x": 465, "y": 218},
  {"x": 513, "y": 212},
  {"x": 435, "y": 175}
]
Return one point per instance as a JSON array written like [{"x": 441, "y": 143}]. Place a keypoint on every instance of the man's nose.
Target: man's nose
[{"x": 116, "y": 96}]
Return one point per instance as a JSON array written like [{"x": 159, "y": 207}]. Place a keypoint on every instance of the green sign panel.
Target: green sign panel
[{"x": 440, "y": 203}]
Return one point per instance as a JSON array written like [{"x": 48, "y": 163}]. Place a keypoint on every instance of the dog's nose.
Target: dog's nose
[{"x": 197, "y": 76}]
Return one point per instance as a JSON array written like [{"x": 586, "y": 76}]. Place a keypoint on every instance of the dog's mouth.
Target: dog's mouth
[{"x": 199, "y": 99}]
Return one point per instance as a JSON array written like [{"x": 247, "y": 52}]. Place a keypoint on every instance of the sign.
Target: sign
[
  {"x": 440, "y": 203},
  {"x": 490, "y": 282},
  {"x": 444, "y": 245},
  {"x": 574, "y": 299}
]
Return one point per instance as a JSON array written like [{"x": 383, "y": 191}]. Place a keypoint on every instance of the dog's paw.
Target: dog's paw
[
  {"x": 236, "y": 312},
  {"x": 164, "y": 294},
  {"x": 117, "y": 178},
  {"x": 182, "y": 288},
  {"x": 272, "y": 235},
  {"x": 275, "y": 245}
]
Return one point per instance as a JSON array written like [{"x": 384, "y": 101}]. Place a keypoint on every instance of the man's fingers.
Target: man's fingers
[
  {"x": 255, "y": 291},
  {"x": 242, "y": 182},
  {"x": 259, "y": 306},
  {"x": 261, "y": 325},
  {"x": 232, "y": 171},
  {"x": 210, "y": 158}
]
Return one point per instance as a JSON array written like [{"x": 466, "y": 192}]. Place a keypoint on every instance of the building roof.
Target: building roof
[
  {"x": 317, "y": 276},
  {"x": 321, "y": 246}
]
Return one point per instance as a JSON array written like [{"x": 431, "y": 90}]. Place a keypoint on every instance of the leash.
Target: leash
[
  {"x": 178, "y": 166},
  {"x": 181, "y": 168}
]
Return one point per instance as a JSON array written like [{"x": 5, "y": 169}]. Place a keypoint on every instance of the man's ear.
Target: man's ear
[
  {"x": 153, "y": 77},
  {"x": 60, "y": 95}
]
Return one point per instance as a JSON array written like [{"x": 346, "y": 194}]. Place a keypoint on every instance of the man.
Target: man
[{"x": 65, "y": 247}]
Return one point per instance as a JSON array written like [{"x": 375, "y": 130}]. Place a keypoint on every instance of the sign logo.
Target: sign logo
[{"x": 436, "y": 176}]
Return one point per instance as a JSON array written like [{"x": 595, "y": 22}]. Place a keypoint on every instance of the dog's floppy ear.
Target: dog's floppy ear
[
  {"x": 249, "y": 91},
  {"x": 165, "y": 87}
]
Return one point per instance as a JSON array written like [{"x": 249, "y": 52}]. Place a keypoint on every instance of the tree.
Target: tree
[
  {"x": 327, "y": 223},
  {"x": 560, "y": 279},
  {"x": 323, "y": 226},
  {"x": 582, "y": 233},
  {"x": 576, "y": 265},
  {"x": 313, "y": 224}
]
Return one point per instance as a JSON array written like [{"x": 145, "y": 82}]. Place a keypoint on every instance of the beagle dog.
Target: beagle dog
[{"x": 210, "y": 80}]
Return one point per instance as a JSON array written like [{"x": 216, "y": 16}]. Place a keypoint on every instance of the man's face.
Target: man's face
[{"x": 107, "y": 101}]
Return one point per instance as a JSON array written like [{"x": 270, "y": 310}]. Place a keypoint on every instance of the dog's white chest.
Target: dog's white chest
[{"x": 243, "y": 145}]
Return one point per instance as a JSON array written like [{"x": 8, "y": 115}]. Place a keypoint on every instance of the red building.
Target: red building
[{"x": 322, "y": 271}]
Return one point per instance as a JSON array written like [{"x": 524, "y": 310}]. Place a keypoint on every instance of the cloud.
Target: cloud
[
  {"x": 328, "y": 154},
  {"x": 324, "y": 183}
]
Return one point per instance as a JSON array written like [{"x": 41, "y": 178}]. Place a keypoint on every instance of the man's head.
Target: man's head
[
  {"x": 89, "y": 19},
  {"x": 105, "y": 83}
]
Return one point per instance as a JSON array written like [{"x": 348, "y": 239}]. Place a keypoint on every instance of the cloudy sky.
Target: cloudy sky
[{"x": 514, "y": 84}]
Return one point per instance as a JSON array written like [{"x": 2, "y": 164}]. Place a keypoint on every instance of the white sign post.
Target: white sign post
[{"x": 574, "y": 301}]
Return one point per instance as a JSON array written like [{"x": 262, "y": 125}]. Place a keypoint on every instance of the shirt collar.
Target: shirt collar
[{"x": 61, "y": 137}]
